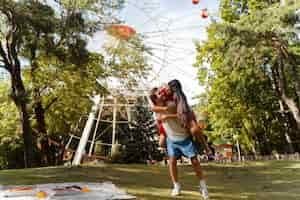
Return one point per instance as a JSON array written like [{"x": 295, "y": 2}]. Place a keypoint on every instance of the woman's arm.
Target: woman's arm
[
  {"x": 167, "y": 116},
  {"x": 159, "y": 109}
]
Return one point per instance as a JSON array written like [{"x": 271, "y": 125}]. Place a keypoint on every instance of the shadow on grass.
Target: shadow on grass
[{"x": 261, "y": 180}]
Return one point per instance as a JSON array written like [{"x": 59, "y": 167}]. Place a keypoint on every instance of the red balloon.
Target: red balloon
[
  {"x": 121, "y": 31},
  {"x": 195, "y": 1},
  {"x": 204, "y": 13}
]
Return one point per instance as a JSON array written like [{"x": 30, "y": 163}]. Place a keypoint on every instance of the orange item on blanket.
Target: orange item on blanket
[{"x": 41, "y": 195}]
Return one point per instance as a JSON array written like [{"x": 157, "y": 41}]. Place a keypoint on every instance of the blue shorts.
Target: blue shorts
[{"x": 181, "y": 148}]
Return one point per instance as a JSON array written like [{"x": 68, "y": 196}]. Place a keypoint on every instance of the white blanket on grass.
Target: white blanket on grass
[{"x": 99, "y": 191}]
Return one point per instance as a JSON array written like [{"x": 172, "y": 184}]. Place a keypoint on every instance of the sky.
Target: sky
[{"x": 170, "y": 28}]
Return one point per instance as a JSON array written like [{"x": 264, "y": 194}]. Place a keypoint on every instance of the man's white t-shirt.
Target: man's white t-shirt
[{"x": 174, "y": 130}]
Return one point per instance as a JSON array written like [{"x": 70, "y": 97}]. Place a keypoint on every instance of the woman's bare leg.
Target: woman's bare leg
[
  {"x": 162, "y": 141},
  {"x": 198, "y": 170},
  {"x": 197, "y": 132}
]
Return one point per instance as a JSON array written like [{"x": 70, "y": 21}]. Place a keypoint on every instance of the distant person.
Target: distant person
[{"x": 211, "y": 158}]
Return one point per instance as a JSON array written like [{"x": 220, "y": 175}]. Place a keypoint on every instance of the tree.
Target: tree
[
  {"x": 10, "y": 132},
  {"x": 142, "y": 141},
  {"x": 232, "y": 11},
  {"x": 126, "y": 61},
  {"x": 31, "y": 29},
  {"x": 245, "y": 81}
]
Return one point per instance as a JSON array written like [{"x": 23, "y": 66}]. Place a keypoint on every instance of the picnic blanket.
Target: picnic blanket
[{"x": 64, "y": 191}]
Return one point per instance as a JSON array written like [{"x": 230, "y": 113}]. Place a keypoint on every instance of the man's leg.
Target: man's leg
[
  {"x": 199, "y": 173},
  {"x": 174, "y": 177},
  {"x": 173, "y": 169}
]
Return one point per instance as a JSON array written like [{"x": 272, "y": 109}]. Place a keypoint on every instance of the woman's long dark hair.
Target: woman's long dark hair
[{"x": 183, "y": 109}]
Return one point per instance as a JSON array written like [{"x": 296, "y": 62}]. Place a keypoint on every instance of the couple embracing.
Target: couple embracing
[{"x": 178, "y": 124}]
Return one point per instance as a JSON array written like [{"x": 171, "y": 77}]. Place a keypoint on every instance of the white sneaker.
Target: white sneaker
[
  {"x": 176, "y": 190},
  {"x": 203, "y": 189},
  {"x": 204, "y": 193}
]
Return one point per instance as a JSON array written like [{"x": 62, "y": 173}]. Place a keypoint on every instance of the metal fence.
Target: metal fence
[
  {"x": 291, "y": 157},
  {"x": 295, "y": 156}
]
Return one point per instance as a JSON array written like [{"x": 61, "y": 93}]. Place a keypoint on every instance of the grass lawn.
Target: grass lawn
[{"x": 272, "y": 180}]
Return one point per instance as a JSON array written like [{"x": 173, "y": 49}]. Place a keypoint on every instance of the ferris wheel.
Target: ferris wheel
[
  {"x": 166, "y": 43},
  {"x": 167, "y": 33}
]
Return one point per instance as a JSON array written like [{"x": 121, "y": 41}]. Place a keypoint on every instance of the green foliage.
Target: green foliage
[
  {"x": 142, "y": 143},
  {"x": 10, "y": 131},
  {"x": 233, "y": 10},
  {"x": 65, "y": 90},
  {"x": 127, "y": 61},
  {"x": 50, "y": 37},
  {"x": 242, "y": 96}
]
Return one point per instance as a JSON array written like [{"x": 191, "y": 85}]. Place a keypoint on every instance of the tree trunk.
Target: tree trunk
[
  {"x": 253, "y": 139},
  {"x": 286, "y": 128},
  {"x": 19, "y": 98},
  {"x": 288, "y": 101},
  {"x": 238, "y": 149},
  {"x": 38, "y": 107},
  {"x": 280, "y": 87},
  {"x": 293, "y": 68},
  {"x": 254, "y": 150},
  {"x": 27, "y": 135},
  {"x": 18, "y": 94},
  {"x": 267, "y": 145},
  {"x": 294, "y": 74},
  {"x": 290, "y": 147},
  {"x": 293, "y": 107},
  {"x": 43, "y": 141},
  {"x": 258, "y": 145},
  {"x": 39, "y": 112}
]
